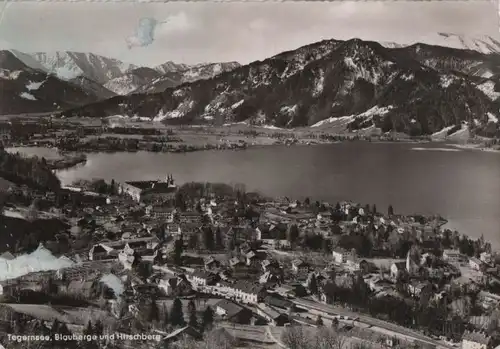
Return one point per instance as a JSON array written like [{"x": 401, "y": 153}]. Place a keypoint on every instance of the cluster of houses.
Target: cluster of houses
[{"x": 251, "y": 286}]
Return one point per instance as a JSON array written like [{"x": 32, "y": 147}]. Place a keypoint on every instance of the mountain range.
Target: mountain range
[
  {"x": 28, "y": 90},
  {"x": 80, "y": 78},
  {"x": 355, "y": 84},
  {"x": 417, "y": 89},
  {"x": 483, "y": 44}
]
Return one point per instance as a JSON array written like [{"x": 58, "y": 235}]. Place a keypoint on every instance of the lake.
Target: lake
[{"x": 461, "y": 185}]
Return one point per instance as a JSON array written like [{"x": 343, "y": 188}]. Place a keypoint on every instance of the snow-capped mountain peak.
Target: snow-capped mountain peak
[
  {"x": 482, "y": 44},
  {"x": 68, "y": 65}
]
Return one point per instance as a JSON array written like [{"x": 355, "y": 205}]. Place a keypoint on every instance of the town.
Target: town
[{"x": 212, "y": 265}]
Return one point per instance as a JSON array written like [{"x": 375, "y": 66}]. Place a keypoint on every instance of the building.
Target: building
[
  {"x": 475, "y": 263},
  {"x": 274, "y": 317},
  {"x": 201, "y": 278},
  {"x": 298, "y": 265},
  {"x": 102, "y": 251},
  {"x": 452, "y": 256},
  {"x": 149, "y": 190},
  {"x": 397, "y": 268},
  {"x": 486, "y": 257},
  {"x": 475, "y": 340},
  {"x": 161, "y": 212},
  {"x": 86, "y": 289},
  {"x": 248, "y": 292},
  {"x": 416, "y": 289},
  {"x": 232, "y": 312},
  {"x": 342, "y": 255}
]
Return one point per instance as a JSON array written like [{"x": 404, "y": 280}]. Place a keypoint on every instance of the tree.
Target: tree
[
  {"x": 374, "y": 209},
  {"x": 219, "y": 244},
  {"x": 390, "y": 211},
  {"x": 313, "y": 285},
  {"x": 176, "y": 313},
  {"x": 295, "y": 338},
  {"x": 218, "y": 339},
  {"x": 177, "y": 252},
  {"x": 32, "y": 213},
  {"x": 113, "y": 187},
  {"x": 166, "y": 319},
  {"x": 193, "y": 242},
  {"x": 50, "y": 287},
  {"x": 154, "y": 312},
  {"x": 180, "y": 203},
  {"x": 293, "y": 233},
  {"x": 208, "y": 238},
  {"x": 193, "y": 320},
  {"x": 98, "y": 328},
  {"x": 367, "y": 209},
  {"x": 335, "y": 323},
  {"x": 208, "y": 318}
]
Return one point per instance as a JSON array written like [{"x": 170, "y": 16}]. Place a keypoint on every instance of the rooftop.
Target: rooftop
[
  {"x": 230, "y": 307},
  {"x": 476, "y": 336}
]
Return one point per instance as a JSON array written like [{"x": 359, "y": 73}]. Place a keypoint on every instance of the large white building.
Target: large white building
[
  {"x": 341, "y": 256},
  {"x": 453, "y": 256},
  {"x": 156, "y": 190}
]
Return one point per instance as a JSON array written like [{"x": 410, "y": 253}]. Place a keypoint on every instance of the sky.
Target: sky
[{"x": 195, "y": 32}]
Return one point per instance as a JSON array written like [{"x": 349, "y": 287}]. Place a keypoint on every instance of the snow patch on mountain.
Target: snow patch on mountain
[
  {"x": 34, "y": 85},
  {"x": 492, "y": 118},
  {"x": 483, "y": 44},
  {"x": 179, "y": 112},
  {"x": 319, "y": 84},
  {"x": 237, "y": 104},
  {"x": 270, "y": 127},
  {"x": 344, "y": 119},
  {"x": 9, "y": 75},
  {"x": 407, "y": 77},
  {"x": 372, "y": 73},
  {"x": 488, "y": 88},
  {"x": 121, "y": 85},
  {"x": 168, "y": 115},
  {"x": 461, "y": 135},
  {"x": 27, "y": 96},
  {"x": 376, "y": 110},
  {"x": 68, "y": 73},
  {"x": 446, "y": 80},
  {"x": 367, "y": 115},
  {"x": 289, "y": 110},
  {"x": 442, "y": 133},
  {"x": 69, "y": 65}
]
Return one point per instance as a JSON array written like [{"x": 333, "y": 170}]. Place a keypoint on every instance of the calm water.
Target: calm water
[{"x": 461, "y": 185}]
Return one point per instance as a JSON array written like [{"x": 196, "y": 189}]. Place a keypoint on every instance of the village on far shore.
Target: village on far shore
[{"x": 181, "y": 263}]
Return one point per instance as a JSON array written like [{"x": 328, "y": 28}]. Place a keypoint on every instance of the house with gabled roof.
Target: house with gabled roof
[
  {"x": 248, "y": 292},
  {"x": 233, "y": 312},
  {"x": 202, "y": 278},
  {"x": 298, "y": 265}
]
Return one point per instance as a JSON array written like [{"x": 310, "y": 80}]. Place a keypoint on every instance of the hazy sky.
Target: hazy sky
[{"x": 193, "y": 32}]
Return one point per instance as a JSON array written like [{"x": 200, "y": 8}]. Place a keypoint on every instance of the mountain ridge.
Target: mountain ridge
[
  {"x": 28, "y": 90},
  {"x": 331, "y": 78}
]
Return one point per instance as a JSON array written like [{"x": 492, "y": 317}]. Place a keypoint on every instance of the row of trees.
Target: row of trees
[
  {"x": 32, "y": 171},
  {"x": 433, "y": 318},
  {"x": 175, "y": 316}
]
